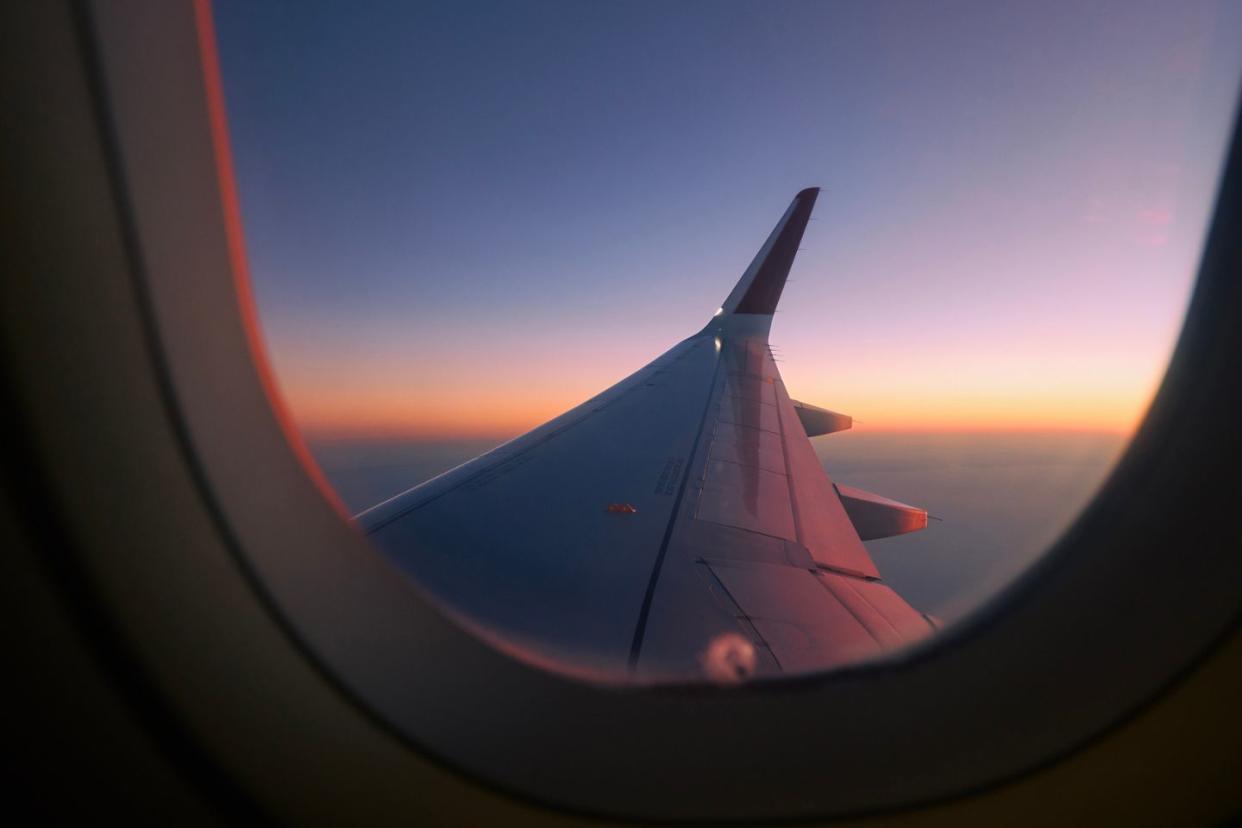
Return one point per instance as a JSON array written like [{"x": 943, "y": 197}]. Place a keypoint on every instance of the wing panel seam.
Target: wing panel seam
[{"x": 644, "y": 611}]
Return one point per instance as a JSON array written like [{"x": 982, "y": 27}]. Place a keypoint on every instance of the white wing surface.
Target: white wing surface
[{"x": 675, "y": 527}]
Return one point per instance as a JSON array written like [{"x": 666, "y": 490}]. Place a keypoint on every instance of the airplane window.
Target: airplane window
[{"x": 722, "y": 341}]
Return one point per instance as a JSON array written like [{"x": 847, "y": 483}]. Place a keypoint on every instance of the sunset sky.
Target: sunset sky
[{"x": 466, "y": 218}]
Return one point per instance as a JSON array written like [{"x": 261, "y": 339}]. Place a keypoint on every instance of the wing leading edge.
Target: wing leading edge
[{"x": 676, "y": 526}]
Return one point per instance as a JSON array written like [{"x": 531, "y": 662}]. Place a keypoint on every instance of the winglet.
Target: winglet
[{"x": 759, "y": 289}]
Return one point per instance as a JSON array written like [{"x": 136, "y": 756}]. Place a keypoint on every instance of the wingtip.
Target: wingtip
[{"x": 759, "y": 289}]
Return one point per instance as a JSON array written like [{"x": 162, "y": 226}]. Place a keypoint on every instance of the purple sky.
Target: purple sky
[{"x": 465, "y": 218}]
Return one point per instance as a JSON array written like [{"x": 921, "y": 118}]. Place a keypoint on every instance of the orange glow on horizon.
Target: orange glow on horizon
[
  {"x": 480, "y": 415},
  {"x": 460, "y": 390}
]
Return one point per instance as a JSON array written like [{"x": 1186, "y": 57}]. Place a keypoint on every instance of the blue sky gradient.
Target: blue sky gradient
[{"x": 463, "y": 218}]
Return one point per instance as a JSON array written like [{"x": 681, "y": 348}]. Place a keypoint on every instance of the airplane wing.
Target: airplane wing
[{"x": 677, "y": 526}]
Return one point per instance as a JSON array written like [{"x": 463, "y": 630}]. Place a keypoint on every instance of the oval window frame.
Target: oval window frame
[{"x": 917, "y": 728}]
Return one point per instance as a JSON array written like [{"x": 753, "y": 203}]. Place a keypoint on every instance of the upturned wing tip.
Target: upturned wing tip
[{"x": 759, "y": 289}]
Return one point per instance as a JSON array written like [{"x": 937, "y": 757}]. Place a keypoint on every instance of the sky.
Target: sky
[{"x": 465, "y": 218}]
